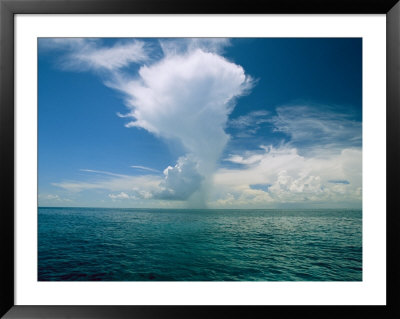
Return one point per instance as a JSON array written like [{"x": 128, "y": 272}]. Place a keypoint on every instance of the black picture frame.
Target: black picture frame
[{"x": 8, "y": 8}]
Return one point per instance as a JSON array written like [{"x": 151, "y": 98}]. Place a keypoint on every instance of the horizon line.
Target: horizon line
[{"x": 187, "y": 208}]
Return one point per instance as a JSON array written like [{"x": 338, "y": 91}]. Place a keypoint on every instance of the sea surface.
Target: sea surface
[{"x": 89, "y": 244}]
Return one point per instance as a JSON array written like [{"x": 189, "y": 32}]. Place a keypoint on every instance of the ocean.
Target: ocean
[{"x": 111, "y": 244}]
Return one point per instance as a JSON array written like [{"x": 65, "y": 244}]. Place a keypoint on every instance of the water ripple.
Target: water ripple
[{"x": 88, "y": 244}]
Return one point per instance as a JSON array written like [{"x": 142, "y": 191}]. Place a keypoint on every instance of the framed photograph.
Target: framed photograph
[{"x": 173, "y": 159}]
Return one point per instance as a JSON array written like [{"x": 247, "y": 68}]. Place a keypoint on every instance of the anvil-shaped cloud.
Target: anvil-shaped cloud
[{"x": 187, "y": 97}]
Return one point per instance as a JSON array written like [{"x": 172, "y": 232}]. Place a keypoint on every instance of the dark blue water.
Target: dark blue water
[{"x": 199, "y": 245}]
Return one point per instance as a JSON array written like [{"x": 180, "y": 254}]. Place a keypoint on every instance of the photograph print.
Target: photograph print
[{"x": 199, "y": 159}]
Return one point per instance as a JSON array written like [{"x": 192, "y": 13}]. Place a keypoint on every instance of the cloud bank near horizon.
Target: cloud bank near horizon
[{"x": 280, "y": 176}]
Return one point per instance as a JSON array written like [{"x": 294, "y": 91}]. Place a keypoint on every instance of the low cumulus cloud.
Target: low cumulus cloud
[
  {"x": 281, "y": 175},
  {"x": 181, "y": 181},
  {"x": 46, "y": 199},
  {"x": 121, "y": 195}
]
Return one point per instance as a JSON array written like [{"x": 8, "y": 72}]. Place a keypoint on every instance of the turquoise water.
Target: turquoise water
[{"x": 199, "y": 245}]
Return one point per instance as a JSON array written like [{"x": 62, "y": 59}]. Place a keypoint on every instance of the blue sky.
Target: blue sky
[{"x": 218, "y": 123}]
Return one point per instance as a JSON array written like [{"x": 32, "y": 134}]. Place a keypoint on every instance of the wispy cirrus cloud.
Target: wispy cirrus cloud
[
  {"x": 67, "y": 44},
  {"x": 91, "y": 54},
  {"x": 250, "y": 120},
  {"x": 247, "y": 125},
  {"x": 112, "y": 182},
  {"x": 145, "y": 168},
  {"x": 102, "y": 172},
  {"x": 313, "y": 127}
]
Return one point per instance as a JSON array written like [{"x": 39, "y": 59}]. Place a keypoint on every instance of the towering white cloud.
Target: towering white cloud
[{"x": 186, "y": 97}]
